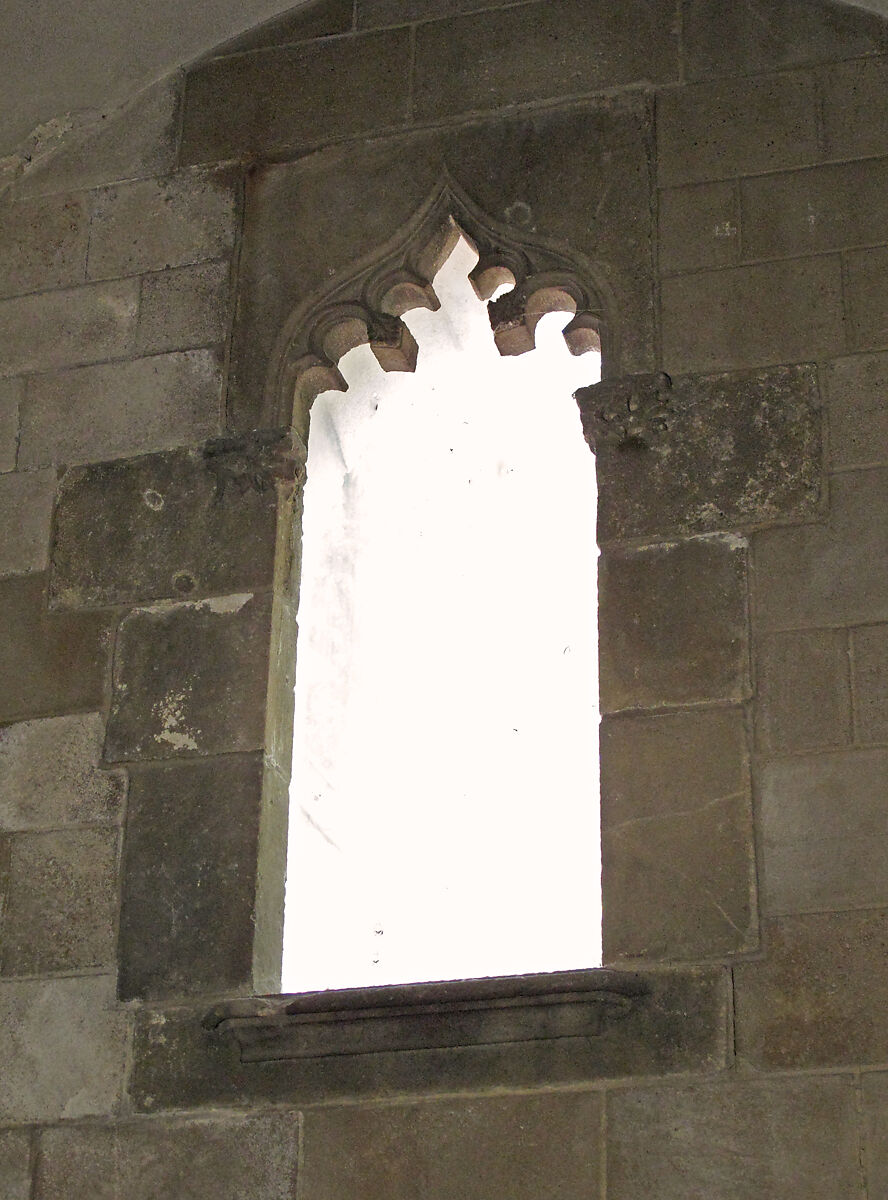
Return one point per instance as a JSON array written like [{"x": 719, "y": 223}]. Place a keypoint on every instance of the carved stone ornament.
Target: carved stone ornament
[
  {"x": 628, "y": 413},
  {"x": 256, "y": 460}
]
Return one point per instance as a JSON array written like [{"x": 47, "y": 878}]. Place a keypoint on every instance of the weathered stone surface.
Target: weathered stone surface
[
  {"x": 15, "y": 1164},
  {"x": 875, "y": 1108},
  {"x": 831, "y": 574},
  {"x": 857, "y": 388},
  {"x": 673, "y": 624},
  {"x": 737, "y": 1140},
  {"x": 49, "y": 775},
  {"x": 819, "y": 997},
  {"x": 183, "y": 308},
  {"x": 50, "y": 663},
  {"x": 11, "y": 391},
  {"x": 869, "y": 655},
  {"x": 735, "y": 127},
  {"x": 43, "y": 244},
  {"x": 735, "y": 451},
  {"x": 312, "y": 20},
  {"x": 189, "y": 878},
  {"x": 867, "y": 293},
  {"x": 26, "y": 499},
  {"x": 803, "y": 690},
  {"x": 678, "y": 859},
  {"x": 855, "y": 108},
  {"x": 62, "y": 904},
  {"x": 457, "y": 1148},
  {"x": 62, "y": 329},
  {"x": 374, "y": 14},
  {"x": 699, "y": 227},
  {"x": 541, "y": 51},
  {"x": 296, "y": 96},
  {"x": 65, "y": 1045},
  {"x": 241, "y": 1158},
  {"x": 752, "y": 316}
]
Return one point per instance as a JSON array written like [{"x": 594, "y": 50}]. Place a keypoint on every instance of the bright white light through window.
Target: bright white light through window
[{"x": 444, "y": 802}]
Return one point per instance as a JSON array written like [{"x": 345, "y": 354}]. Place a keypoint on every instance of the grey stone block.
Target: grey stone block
[
  {"x": 114, "y": 410},
  {"x": 803, "y": 690},
  {"x": 540, "y": 52},
  {"x": 321, "y": 18},
  {"x": 183, "y": 308},
  {"x": 824, "y": 828},
  {"x": 63, "y": 329},
  {"x": 50, "y": 777},
  {"x": 869, "y": 656},
  {"x": 857, "y": 388},
  {"x": 855, "y": 108},
  {"x": 26, "y": 500},
  {"x": 867, "y": 296},
  {"x": 678, "y": 862},
  {"x": 734, "y": 127},
  {"x": 65, "y": 1048},
  {"x": 153, "y": 224},
  {"x": 11, "y": 391},
  {"x": 737, "y": 1140},
  {"x": 43, "y": 244},
  {"x": 61, "y": 907},
  {"x": 156, "y": 527},
  {"x": 15, "y": 1164},
  {"x": 699, "y": 227},
  {"x": 673, "y": 624},
  {"x": 773, "y": 312},
  {"x": 238, "y": 1158},
  {"x": 376, "y": 14}
]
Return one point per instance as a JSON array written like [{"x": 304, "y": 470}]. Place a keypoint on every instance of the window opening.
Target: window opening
[{"x": 444, "y": 815}]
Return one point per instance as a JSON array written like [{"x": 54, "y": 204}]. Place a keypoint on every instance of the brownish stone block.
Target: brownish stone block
[
  {"x": 803, "y": 690},
  {"x": 26, "y": 501},
  {"x": 43, "y": 244},
  {"x": 699, "y": 227},
  {"x": 15, "y": 1164},
  {"x": 375, "y": 14},
  {"x": 183, "y": 308},
  {"x": 875, "y": 1136},
  {"x": 867, "y": 293},
  {"x": 857, "y": 388},
  {"x": 855, "y": 108},
  {"x": 317, "y": 18},
  {"x": 869, "y": 656},
  {"x": 11, "y": 391}
]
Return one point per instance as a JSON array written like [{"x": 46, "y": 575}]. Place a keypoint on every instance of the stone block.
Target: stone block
[
  {"x": 50, "y": 776},
  {"x": 867, "y": 296},
  {"x": 61, "y": 908},
  {"x": 823, "y": 831},
  {"x": 295, "y": 96},
  {"x": 51, "y": 663},
  {"x": 541, "y": 1147},
  {"x": 857, "y": 388},
  {"x": 15, "y": 1164},
  {"x": 830, "y": 574},
  {"x": 673, "y": 624},
  {"x": 153, "y": 224},
  {"x": 114, "y": 410},
  {"x": 184, "y": 307},
  {"x": 156, "y": 527},
  {"x": 322, "y": 18},
  {"x": 737, "y": 1140},
  {"x": 540, "y": 52},
  {"x": 49, "y": 330},
  {"x": 11, "y": 391},
  {"x": 803, "y": 690},
  {"x": 189, "y": 878},
  {"x": 869, "y": 677},
  {"x": 376, "y": 14},
  {"x": 234, "y": 1158},
  {"x": 43, "y": 244},
  {"x": 678, "y": 861},
  {"x": 855, "y": 108},
  {"x": 65, "y": 1048},
  {"x": 699, "y": 227},
  {"x": 875, "y": 1110},
  {"x": 819, "y": 996},
  {"x": 737, "y": 451},
  {"x": 772, "y": 312},
  {"x": 26, "y": 500}
]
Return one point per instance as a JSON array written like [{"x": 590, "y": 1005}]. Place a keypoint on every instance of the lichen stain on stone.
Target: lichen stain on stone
[
  {"x": 222, "y": 605},
  {"x": 170, "y": 711}
]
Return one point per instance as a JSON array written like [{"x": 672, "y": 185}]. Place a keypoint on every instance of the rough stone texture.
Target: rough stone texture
[
  {"x": 541, "y": 1147},
  {"x": 824, "y": 827},
  {"x": 11, "y": 391},
  {"x": 830, "y": 574},
  {"x": 183, "y": 308},
  {"x": 276, "y": 99},
  {"x": 61, "y": 911},
  {"x": 857, "y": 388},
  {"x": 676, "y": 829},
  {"x": 673, "y": 624},
  {"x": 119, "y": 409},
  {"x": 867, "y": 302},
  {"x": 157, "y": 223},
  {"x": 803, "y": 690},
  {"x": 15, "y": 1164},
  {"x": 749, "y": 316},
  {"x": 189, "y": 878},
  {"x": 43, "y": 244},
  {"x": 869, "y": 655},
  {"x": 64, "y": 1047},
  {"x": 738, "y": 451},
  {"x": 311, "y": 20},
  {"x": 51, "y": 663},
  {"x": 49, "y": 775},
  {"x": 855, "y": 108},
  {"x": 26, "y": 499},
  {"x": 373, "y": 14},
  {"x": 742, "y": 1140},
  {"x": 772, "y": 121},
  {"x": 156, "y": 527},
  {"x": 245, "y": 1158},
  {"x": 819, "y": 996},
  {"x": 699, "y": 227},
  {"x": 63, "y": 329},
  {"x": 875, "y": 1107},
  {"x": 541, "y": 51}
]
